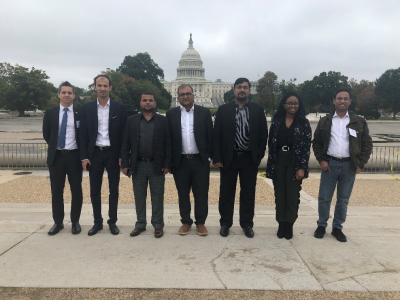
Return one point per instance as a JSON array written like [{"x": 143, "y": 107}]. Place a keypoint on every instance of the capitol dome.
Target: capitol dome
[{"x": 190, "y": 66}]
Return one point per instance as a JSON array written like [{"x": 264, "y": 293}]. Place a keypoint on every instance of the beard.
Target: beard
[{"x": 148, "y": 110}]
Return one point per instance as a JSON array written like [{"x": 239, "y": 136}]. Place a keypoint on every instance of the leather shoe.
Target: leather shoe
[
  {"x": 339, "y": 235},
  {"x": 185, "y": 228},
  {"x": 224, "y": 231},
  {"x": 137, "y": 231},
  {"x": 201, "y": 230},
  {"x": 158, "y": 232},
  {"x": 281, "y": 230},
  {"x": 249, "y": 232},
  {"x": 114, "y": 229},
  {"x": 55, "y": 229},
  {"x": 76, "y": 228},
  {"x": 95, "y": 229}
]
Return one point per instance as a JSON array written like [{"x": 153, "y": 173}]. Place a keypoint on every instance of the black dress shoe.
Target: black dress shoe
[
  {"x": 288, "y": 230},
  {"x": 339, "y": 235},
  {"x": 114, "y": 229},
  {"x": 95, "y": 229},
  {"x": 76, "y": 228},
  {"x": 281, "y": 230},
  {"x": 249, "y": 232},
  {"x": 55, "y": 229},
  {"x": 224, "y": 231}
]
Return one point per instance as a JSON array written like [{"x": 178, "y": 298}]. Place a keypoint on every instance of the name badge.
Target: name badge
[
  {"x": 352, "y": 132},
  {"x": 77, "y": 124}
]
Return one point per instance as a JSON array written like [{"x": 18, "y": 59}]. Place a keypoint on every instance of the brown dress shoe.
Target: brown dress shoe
[
  {"x": 184, "y": 229},
  {"x": 159, "y": 232},
  {"x": 137, "y": 231},
  {"x": 201, "y": 229}
]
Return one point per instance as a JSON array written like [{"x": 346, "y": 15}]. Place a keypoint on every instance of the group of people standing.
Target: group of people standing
[{"x": 147, "y": 146}]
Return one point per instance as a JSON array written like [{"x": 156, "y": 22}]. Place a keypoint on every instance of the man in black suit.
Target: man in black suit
[
  {"x": 146, "y": 151},
  {"x": 191, "y": 131},
  {"x": 102, "y": 128},
  {"x": 239, "y": 142},
  {"x": 61, "y": 133}
]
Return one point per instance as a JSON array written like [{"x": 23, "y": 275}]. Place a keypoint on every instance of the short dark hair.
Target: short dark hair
[
  {"x": 105, "y": 76},
  {"x": 66, "y": 83},
  {"x": 147, "y": 93},
  {"x": 341, "y": 90},
  {"x": 241, "y": 80},
  {"x": 184, "y": 85}
]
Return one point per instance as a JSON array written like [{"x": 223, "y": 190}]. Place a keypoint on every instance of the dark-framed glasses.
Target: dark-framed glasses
[
  {"x": 185, "y": 94},
  {"x": 292, "y": 103}
]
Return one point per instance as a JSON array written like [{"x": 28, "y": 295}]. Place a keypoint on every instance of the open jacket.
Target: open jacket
[
  {"x": 162, "y": 143},
  {"x": 360, "y": 146},
  {"x": 301, "y": 147}
]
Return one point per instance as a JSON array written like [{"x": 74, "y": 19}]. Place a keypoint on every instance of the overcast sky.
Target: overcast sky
[{"x": 75, "y": 40}]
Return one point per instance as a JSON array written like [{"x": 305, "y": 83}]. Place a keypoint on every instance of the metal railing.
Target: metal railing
[
  {"x": 23, "y": 155},
  {"x": 34, "y": 155}
]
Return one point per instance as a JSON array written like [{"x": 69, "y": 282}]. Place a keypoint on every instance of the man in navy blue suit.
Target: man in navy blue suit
[
  {"x": 61, "y": 133},
  {"x": 102, "y": 130}
]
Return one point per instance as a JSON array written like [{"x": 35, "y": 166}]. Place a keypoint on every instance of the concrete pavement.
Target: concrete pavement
[{"x": 369, "y": 261}]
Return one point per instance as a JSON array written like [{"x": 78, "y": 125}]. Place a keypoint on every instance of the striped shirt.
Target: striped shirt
[{"x": 242, "y": 138}]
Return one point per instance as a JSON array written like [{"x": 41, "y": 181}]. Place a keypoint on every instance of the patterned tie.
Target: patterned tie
[{"x": 63, "y": 130}]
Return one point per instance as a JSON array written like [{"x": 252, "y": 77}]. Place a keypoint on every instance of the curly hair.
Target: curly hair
[{"x": 300, "y": 115}]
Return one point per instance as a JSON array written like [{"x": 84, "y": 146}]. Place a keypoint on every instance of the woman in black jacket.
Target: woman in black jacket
[{"x": 288, "y": 154}]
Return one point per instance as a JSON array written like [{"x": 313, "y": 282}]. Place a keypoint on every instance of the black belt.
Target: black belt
[
  {"x": 145, "y": 160},
  {"x": 191, "y": 156},
  {"x": 103, "y": 148},
  {"x": 240, "y": 152},
  {"x": 65, "y": 151},
  {"x": 345, "y": 159}
]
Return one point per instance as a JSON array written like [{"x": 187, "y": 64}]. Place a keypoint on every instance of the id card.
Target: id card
[{"x": 352, "y": 132}]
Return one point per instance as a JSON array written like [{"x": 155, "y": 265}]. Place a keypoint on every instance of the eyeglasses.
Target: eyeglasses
[
  {"x": 239, "y": 87},
  {"x": 185, "y": 94},
  {"x": 292, "y": 104}
]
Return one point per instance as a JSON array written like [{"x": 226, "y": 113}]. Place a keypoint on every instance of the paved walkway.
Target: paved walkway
[{"x": 369, "y": 261}]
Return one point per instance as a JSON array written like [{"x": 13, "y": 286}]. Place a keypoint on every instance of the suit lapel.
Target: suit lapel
[
  {"x": 112, "y": 108},
  {"x": 196, "y": 119},
  {"x": 179, "y": 125}
]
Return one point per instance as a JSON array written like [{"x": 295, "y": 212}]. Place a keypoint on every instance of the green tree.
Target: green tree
[
  {"x": 319, "y": 91},
  {"x": 387, "y": 89},
  {"x": 22, "y": 89},
  {"x": 143, "y": 67},
  {"x": 287, "y": 86},
  {"x": 267, "y": 90}
]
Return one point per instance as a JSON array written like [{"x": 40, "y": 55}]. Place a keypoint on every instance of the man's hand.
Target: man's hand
[
  {"x": 165, "y": 170},
  {"x": 218, "y": 165},
  {"x": 300, "y": 174},
  {"x": 120, "y": 161},
  {"x": 125, "y": 171},
  {"x": 358, "y": 171},
  {"x": 324, "y": 165},
  {"x": 84, "y": 164}
]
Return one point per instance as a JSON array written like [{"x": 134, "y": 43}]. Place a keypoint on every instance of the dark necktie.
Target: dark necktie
[{"x": 63, "y": 130}]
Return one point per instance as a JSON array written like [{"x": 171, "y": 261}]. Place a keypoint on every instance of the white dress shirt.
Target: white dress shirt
[
  {"x": 70, "y": 142},
  {"x": 188, "y": 142},
  {"x": 339, "y": 142},
  {"x": 103, "y": 116}
]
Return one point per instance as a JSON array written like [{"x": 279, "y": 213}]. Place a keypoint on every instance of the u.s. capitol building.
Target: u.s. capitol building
[{"x": 190, "y": 71}]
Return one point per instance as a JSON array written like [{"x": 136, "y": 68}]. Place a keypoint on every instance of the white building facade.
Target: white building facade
[{"x": 190, "y": 71}]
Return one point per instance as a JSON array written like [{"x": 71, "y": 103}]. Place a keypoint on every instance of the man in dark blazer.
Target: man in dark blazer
[
  {"x": 102, "y": 127},
  {"x": 146, "y": 151},
  {"x": 191, "y": 131},
  {"x": 61, "y": 133},
  {"x": 239, "y": 142}
]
